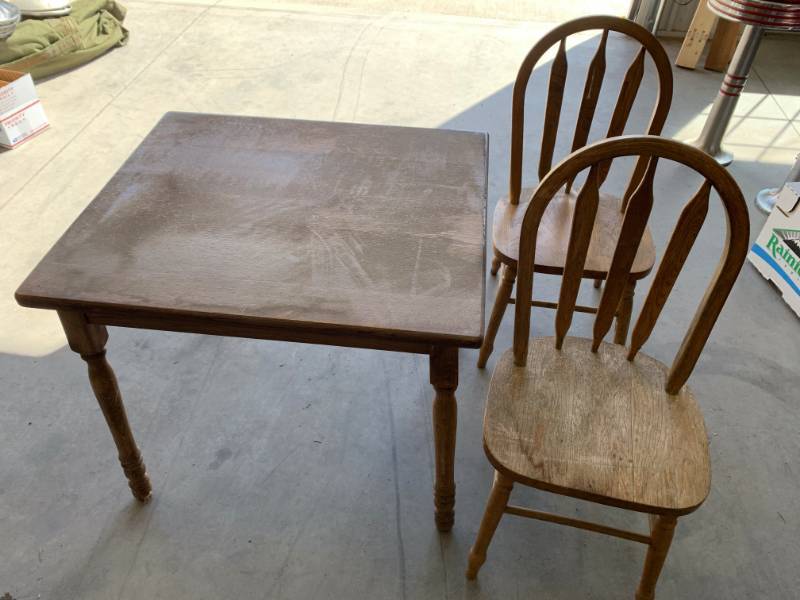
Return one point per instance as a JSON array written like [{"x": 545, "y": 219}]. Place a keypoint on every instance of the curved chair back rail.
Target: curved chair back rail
[
  {"x": 649, "y": 149},
  {"x": 591, "y": 93}
]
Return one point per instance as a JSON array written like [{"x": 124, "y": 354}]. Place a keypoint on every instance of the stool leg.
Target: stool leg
[
  {"x": 710, "y": 140},
  {"x": 662, "y": 531},
  {"x": 498, "y": 310},
  {"x": 498, "y": 500}
]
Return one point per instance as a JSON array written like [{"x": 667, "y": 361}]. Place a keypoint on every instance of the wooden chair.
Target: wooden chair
[
  {"x": 553, "y": 235},
  {"x": 593, "y": 420}
]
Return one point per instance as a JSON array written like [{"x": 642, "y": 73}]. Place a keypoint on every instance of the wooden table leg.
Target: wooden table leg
[
  {"x": 444, "y": 378},
  {"x": 89, "y": 341}
]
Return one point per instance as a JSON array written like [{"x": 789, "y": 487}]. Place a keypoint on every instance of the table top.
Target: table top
[{"x": 298, "y": 226}]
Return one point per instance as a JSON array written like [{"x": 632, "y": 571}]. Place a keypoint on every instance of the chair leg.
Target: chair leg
[
  {"x": 624, "y": 314},
  {"x": 498, "y": 310},
  {"x": 495, "y": 265},
  {"x": 662, "y": 530},
  {"x": 498, "y": 499}
]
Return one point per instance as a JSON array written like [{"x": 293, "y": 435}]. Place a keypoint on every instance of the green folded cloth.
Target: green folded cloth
[{"x": 44, "y": 47}]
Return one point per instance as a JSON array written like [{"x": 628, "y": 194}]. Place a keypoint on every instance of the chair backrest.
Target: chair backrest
[
  {"x": 591, "y": 93},
  {"x": 637, "y": 213}
]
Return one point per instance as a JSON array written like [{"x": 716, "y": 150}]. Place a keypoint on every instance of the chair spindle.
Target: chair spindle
[
  {"x": 633, "y": 225},
  {"x": 580, "y": 236},
  {"x": 680, "y": 244},
  {"x": 627, "y": 95},
  {"x": 591, "y": 93},
  {"x": 552, "y": 113}
]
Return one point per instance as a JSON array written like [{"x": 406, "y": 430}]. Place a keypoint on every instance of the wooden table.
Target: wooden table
[{"x": 325, "y": 233}]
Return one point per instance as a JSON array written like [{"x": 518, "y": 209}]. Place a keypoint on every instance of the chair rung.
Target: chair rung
[
  {"x": 587, "y": 525},
  {"x": 554, "y": 305}
]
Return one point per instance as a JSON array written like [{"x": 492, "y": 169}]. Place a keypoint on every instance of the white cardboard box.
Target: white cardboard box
[
  {"x": 21, "y": 112},
  {"x": 776, "y": 252}
]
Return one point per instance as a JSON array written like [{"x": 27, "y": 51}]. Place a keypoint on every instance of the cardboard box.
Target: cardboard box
[
  {"x": 21, "y": 113},
  {"x": 776, "y": 253}
]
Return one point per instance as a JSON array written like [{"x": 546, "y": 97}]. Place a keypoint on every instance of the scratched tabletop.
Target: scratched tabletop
[{"x": 286, "y": 223}]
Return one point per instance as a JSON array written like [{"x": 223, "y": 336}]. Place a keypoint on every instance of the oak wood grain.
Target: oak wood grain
[
  {"x": 555, "y": 96},
  {"x": 597, "y": 427},
  {"x": 539, "y": 515},
  {"x": 634, "y": 224},
  {"x": 552, "y": 249},
  {"x": 579, "y": 238},
  {"x": 557, "y": 36},
  {"x": 622, "y": 110},
  {"x": 738, "y": 227},
  {"x": 554, "y": 232},
  {"x": 680, "y": 244},
  {"x": 587, "y": 419},
  {"x": 591, "y": 94},
  {"x": 627, "y": 94}
]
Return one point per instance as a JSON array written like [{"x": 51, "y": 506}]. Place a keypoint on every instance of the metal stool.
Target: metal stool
[{"x": 757, "y": 15}]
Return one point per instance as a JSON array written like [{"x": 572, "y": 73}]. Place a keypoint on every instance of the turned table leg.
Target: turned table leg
[
  {"x": 89, "y": 341},
  {"x": 444, "y": 378}
]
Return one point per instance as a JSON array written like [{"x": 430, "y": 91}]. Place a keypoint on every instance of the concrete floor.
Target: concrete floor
[{"x": 289, "y": 471}]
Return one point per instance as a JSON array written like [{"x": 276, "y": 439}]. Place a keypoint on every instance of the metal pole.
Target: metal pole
[
  {"x": 633, "y": 13},
  {"x": 710, "y": 139},
  {"x": 766, "y": 198},
  {"x": 647, "y": 13},
  {"x": 657, "y": 17}
]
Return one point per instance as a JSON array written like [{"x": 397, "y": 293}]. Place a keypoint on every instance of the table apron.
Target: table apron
[{"x": 212, "y": 326}]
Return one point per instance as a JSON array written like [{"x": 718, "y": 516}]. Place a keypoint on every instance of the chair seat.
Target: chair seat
[
  {"x": 597, "y": 427},
  {"x": 553, "y": 236}
]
